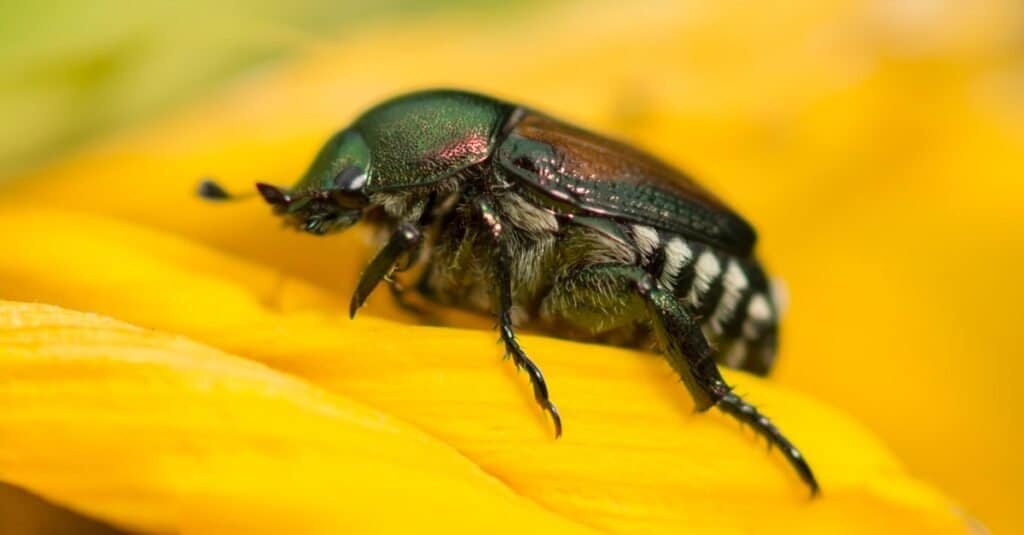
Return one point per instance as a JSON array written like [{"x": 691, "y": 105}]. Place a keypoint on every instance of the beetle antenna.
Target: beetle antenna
[{"x": 210, "y": 190}]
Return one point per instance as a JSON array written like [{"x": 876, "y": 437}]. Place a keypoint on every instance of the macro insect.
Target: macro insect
[{"x": 499, "y": 206}]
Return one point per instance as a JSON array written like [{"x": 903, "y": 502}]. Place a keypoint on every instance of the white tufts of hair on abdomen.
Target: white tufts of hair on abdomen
[
  {"x": 677, "y": 255},
  {"x": 646, "y": 239},
  {"x": 759, "y": 312},
  {"x": 733, "y": 286},
  {"x": 707, "y": 270}
]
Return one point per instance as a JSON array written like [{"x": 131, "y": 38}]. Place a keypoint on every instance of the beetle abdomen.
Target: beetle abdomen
[{"x": 730, "y": 295}]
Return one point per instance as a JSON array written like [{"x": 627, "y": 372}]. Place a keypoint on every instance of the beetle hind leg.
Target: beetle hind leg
[
  {"x": 628, "y": 292},
  {"x": 738, "y": 408},
  {"x": 689, "y": 353}
]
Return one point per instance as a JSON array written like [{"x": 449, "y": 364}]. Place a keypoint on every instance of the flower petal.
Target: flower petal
[
  {"x": 633, "y": 459},
  {"x": 877, "y": 150},
  {"x": 158, "y": 433}
]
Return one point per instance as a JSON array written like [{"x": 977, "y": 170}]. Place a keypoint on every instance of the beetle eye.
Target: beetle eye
[{"x": 351, "y": 178}]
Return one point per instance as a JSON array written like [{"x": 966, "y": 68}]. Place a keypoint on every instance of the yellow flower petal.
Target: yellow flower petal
[
  {"x": 159, "y": 433},
  {"x": 633, "y": 459},
  {"x": 877, "y": 151}
]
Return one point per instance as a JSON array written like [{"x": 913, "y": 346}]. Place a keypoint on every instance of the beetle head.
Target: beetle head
[{"x": 330, "y": 196}]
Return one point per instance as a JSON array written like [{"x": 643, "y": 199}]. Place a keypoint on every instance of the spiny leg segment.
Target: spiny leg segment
[
  {"x": 504, "y": 280},
  {"x": 684, "y": 342},
  {"x": 736, "y": 407},
  {"x": 685, "y": 347},
  {"x": 405, "y": 239}
]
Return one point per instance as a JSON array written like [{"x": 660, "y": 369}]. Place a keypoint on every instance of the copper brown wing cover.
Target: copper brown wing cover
[{"x": 604, "y": 177}]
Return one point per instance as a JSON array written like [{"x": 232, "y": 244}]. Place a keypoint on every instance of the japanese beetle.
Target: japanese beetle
[{"x": 499, "y": 206}]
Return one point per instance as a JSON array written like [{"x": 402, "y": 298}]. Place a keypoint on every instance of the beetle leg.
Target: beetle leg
[
  {"x": 505, "y": 327},
  {"x": 743, "y": 411},
  {"x": 684, "y": 343},
  {"x": 686, "y": 347},
  {"x": 399, "y": 293},
  {"x": 404, "y": 239},
  {"x": 608, "y": 288},
  {"x": 512, "y": 347}
]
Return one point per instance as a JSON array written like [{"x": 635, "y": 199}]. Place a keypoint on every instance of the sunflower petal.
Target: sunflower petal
[
  {"x": 633, "y": 458},
  {"x": 156, "y": 432}
]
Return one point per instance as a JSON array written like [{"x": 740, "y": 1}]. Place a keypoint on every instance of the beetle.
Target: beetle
[{"x": 500, "y": 207}]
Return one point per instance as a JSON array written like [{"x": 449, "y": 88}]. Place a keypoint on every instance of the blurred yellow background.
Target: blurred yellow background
[{"x": 877, "y": 145}]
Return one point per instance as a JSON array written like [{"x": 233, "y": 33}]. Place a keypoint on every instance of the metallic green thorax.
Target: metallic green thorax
[
  {"x": 426, "y": 137},
  {"x": 414, "y": 140}
]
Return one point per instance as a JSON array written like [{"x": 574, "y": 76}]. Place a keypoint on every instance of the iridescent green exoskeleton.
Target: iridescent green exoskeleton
[{"x": 500, "y": 208}]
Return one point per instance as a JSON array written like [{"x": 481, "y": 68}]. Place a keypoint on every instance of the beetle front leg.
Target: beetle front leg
[
  {"x": 405, "y": 239},
  {"x": 504, "y": 281}
]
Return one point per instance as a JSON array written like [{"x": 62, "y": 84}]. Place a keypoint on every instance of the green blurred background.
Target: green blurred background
[{"x": 73, "y": 69}]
